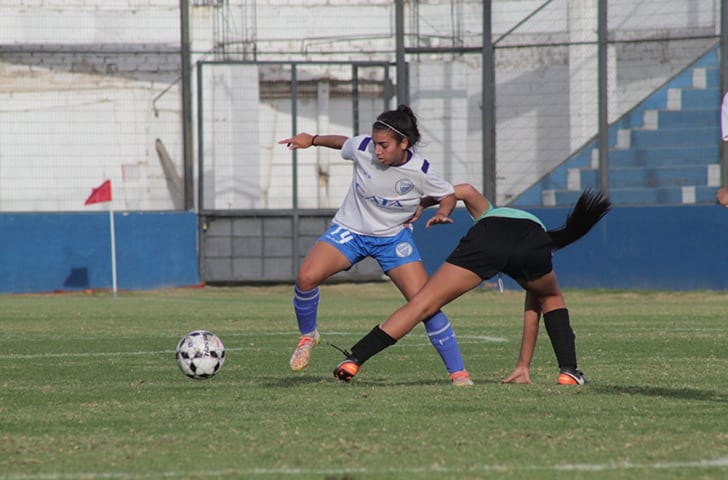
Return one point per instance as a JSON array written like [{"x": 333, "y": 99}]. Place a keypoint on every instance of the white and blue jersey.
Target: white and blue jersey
[{"x": 381, "y": 198}]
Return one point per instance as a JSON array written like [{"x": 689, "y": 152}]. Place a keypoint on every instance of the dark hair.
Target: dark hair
[{"x": 401, "y": 122}]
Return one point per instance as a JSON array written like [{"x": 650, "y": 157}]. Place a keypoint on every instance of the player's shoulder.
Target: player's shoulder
[
  {"x": 418, "y": 162},
  {"x": 358, "y": 145}
]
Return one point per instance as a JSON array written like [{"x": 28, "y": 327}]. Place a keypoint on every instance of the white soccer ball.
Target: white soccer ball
[{"x": 200, "y": 354}]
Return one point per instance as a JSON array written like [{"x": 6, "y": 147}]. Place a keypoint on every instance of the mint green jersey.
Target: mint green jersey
[{"x": 508, "y": 212}]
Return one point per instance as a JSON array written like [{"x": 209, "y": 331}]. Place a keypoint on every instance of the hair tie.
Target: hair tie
[{"x": 391, "y": 128}]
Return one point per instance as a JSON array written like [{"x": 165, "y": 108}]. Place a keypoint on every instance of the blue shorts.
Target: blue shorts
[{"x": 389, "y": 252}]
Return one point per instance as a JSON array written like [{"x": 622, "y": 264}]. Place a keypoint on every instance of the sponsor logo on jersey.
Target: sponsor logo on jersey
[
  {"x": 379, "y": 201},
  {"x": 403, "y": 186},
  {"x": 403, "y": 249}
]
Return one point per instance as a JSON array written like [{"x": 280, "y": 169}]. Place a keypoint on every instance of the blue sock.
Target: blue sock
[
  {"x": 305, "y": 304},
  {"x": 443, "y": 339}
]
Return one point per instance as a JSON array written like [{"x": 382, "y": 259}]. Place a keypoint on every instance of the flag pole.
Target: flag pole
[
  {"x": 99, "y": 195},
  {"x": 113, "y": 248}
]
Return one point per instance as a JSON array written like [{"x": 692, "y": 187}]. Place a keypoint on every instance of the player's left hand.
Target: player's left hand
[
  {"x": 519, "y": 375},
  {"x": 438, "y": 219}
]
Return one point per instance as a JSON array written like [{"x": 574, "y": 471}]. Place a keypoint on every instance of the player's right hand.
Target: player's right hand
[
  {"x": 300, "y": 140},
  {"x": 414, "y": 217}
]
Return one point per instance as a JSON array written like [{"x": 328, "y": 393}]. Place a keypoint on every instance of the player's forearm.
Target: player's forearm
[
  {"x": 528, "y": 341},
  {"x": 447, "y": 205},
  {"x": 330, "y": 141}
]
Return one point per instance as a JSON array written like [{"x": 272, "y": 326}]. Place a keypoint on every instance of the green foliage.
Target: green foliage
[{"x": 90, "y": 389}]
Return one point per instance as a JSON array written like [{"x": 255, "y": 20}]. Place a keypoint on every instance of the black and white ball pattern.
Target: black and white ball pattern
[{"x": 200, "y": 354}]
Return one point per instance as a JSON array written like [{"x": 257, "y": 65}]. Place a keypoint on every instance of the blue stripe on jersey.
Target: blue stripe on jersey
[
  {"x": 425, "y": 166},
  {"x": 365, "y": 143}
]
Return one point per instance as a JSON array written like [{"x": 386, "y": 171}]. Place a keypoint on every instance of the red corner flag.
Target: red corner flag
[{"x": 100, "y": 194}]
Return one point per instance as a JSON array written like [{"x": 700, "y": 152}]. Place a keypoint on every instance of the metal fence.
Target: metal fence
[
  {"x": 88, "y": 92},
  {"x": 91, "y": 91}
]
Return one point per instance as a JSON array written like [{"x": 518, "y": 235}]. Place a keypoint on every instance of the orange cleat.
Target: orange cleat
[
  {"x": 461, "y": 379},
  {"x": 571, "y": 377},
  {"x": 346, "y": 370},
  {"x": 302, "y": 355}
]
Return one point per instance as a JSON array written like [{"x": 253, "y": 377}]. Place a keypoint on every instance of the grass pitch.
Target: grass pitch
[{"x": 90, "y": 389}]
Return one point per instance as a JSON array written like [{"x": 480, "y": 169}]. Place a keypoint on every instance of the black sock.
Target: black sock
[
  {"x": 562, "y": 337},
  {"x": 371, "y": 344}
]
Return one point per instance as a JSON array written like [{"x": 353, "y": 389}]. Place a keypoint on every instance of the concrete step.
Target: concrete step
[
  {"x": 692, "y": 98},
  {"x": 706, "y": 77},
  {"x": 698, "y": 118},
  {"x": 650, "y": 177},
  {"x": 664, "y": 156},
  {"x": 670, "y": 137},
  {"x": 638, "y": 196}
]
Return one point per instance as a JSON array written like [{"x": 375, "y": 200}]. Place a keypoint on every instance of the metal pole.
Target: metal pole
[
  {"x": 723, "y": 84},
  {"x": 355, "y": 99},
  {"x": 294, "y": 173},
  {"x": 488, "y": 107},
  {"x": 603, "y": 97},
  {"x": 402, "y": 87},
  {"x": 200, "y": 143},
  {"x": 186, "y": 67}
]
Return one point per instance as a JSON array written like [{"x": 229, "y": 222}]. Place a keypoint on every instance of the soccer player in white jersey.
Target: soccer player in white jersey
[{"x": 390, "y": 179}]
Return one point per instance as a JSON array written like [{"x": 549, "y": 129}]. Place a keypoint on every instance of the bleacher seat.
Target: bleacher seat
[{"x": 666, "y": 150}]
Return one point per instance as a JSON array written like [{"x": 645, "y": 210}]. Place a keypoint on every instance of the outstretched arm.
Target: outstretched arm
[
  {"x": 474, "y": 201},
  {"x": 305, "y": 140}
]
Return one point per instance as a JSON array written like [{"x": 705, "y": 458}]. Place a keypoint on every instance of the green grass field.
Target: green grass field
[{"x": 90, "y": 389}]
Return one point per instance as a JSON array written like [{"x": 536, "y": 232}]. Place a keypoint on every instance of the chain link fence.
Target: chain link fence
[{"x": 90, "y": 90}]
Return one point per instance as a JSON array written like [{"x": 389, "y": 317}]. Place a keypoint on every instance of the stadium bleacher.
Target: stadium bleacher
[{"x": 666, "y": 150}]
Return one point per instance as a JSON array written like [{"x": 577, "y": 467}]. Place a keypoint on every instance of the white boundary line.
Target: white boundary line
[
  {"x": 719, "y": 463},
  {"x": 23, "y": 356}
]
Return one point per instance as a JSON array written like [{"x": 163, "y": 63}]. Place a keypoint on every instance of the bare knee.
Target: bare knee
[
  {"x": 551, "y": 303},
  {"x": 307, "y": 279},
  {"x": 547, "y": 292}
]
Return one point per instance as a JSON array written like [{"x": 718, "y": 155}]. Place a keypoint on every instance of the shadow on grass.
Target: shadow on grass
[
  {"x": 372, "y": 381},
  {"x": 293, "y": 381},
  {"x": 662, "y": 392}
]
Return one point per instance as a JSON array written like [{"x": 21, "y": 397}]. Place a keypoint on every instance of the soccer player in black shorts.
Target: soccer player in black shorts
[{"x": 506, "y": 240}]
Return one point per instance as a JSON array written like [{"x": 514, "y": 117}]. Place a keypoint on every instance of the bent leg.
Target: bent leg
[
  {"x": 448, "y": 283},
  {"x": 410, "y": 278},
  {"x": 556, "y": 319},
  {"x": 322, "y": 261}
]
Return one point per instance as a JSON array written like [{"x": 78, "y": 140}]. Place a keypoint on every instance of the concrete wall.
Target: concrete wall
[
  {"x": 653, "y": 248},
  {"x": 665, "y": 248}
]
